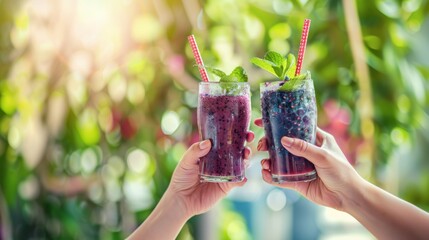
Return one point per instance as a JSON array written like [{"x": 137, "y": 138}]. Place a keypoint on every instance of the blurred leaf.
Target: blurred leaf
[{"x": 88, "y": 128}]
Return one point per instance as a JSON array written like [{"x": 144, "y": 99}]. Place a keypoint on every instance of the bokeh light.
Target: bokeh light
[
  {"x": 138, "y": 161},
  {"x": 276, "y": 200},
  {"x": 170, "y": 122}
]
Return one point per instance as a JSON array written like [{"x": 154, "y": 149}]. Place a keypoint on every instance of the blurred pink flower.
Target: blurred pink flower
[
  {"x": 128, "y": 128},
  {"x": 176, "y": 64},
  {"x": 339, "y": 119}
]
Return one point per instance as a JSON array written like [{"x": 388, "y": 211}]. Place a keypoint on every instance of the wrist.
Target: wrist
[
  {"x": 165, "y": 221},
  {"x": 355, "y": 198},
  {"x": 176, "y": 205}
]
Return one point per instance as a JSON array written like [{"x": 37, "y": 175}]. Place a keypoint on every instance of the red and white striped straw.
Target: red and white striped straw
[
  {"x": 302, "y": 46},
  {"x": 198, "y": 58}
]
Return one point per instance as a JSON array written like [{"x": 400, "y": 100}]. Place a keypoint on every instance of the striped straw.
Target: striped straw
[
  {"x": 302, "y": 46},
  {"x": 198, "y": 58}
]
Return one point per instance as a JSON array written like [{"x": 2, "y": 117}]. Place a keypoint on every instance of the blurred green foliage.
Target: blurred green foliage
[{"x": 98, "y": 98}]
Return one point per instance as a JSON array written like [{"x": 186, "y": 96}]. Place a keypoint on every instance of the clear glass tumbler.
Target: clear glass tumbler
[
  {"x": 293, "y": 113},
  {"x": 224, "y": 118}
]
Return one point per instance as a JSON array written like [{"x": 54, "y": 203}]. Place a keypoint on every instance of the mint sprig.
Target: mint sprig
[
  {"x": 283, "y": 68},
  {"x": 237, "y": 75},
  {"x": 277, "y": 65}
]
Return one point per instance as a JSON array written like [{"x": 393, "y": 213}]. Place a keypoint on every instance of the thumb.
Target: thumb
[
  {"x": 195, "y": 151},
  {"x": 304, "y": 149}
]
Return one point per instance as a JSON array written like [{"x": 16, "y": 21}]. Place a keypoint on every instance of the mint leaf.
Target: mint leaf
[
  {"x": 215, "y": 71},
  {"x": 291, "y": 84},
  {"x": 276, "y": 64},
  {"x": 279, "y": 71},
  {"x": 278, "y": 61},
  {"x": 290, "y": 66},
  {"x": 275, "y": 58},
  {"x": 264, "y": 64},
  {"x": 237, "y": 75}
]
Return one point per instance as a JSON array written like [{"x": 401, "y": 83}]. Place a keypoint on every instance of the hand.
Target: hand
[
  {"x": 336, "y": 179},
  {"x": 194, "y": 196},
  {"x": 186, "y": 196}
]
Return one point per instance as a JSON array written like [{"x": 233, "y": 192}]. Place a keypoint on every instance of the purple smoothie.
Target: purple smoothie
[
  {"x": 225, "y": 121},
  {"x": 289, "y": 113}
]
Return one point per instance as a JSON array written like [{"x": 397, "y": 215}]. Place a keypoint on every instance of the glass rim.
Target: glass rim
[
  {"x": 224, "y": 83},
  {"x": 307, "y": 78},
  {"x": 280, "y": 81}
]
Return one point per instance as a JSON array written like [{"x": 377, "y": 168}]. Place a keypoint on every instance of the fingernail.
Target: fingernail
[
  {"x": 204, "y": 144},
  {"x": 287, "y": 141}
]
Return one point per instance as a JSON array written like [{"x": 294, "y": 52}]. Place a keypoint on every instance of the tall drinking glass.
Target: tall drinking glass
[
  {"x": 289, "y": 111},
  {"x": 224, "y": 118}
]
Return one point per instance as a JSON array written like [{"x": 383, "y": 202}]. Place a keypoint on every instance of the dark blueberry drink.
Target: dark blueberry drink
[
  {"x": 289, "y": 111},
  {"x": 224, "y": 118}
]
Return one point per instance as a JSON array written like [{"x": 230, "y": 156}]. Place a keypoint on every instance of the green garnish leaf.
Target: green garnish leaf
[
  {"x": 215, "y": 71},
  {"x": 290, "y": 66},
  {"x": 237, "y": 75},
  {"x": 277, "y": 65},
  {"x": 264, "y": 64},
  {"x": 275, "y": 58},
  {"x": 291, "y": 84}
]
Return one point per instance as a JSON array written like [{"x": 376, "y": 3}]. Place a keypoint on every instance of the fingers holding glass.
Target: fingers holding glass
[
  {"x": 265, "y": 164},
  {"x": 246, "y": 153},
  {"x": 262, "y": 144},
  {"x": 250, "y": 136},
  {"x": 266, "y": 171},
  {"x": 258, "y": 122}
]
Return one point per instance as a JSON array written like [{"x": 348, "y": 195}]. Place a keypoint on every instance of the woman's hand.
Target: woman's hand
[
  {"x": 194, "y": 196},
  {"x": 186, "y": 196},
  {"x": 336, "y": 179}
]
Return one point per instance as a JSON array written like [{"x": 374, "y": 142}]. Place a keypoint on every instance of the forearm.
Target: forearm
[
  {"x": 387, "y": 216},
  {"x": 165, "y": 222}
]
